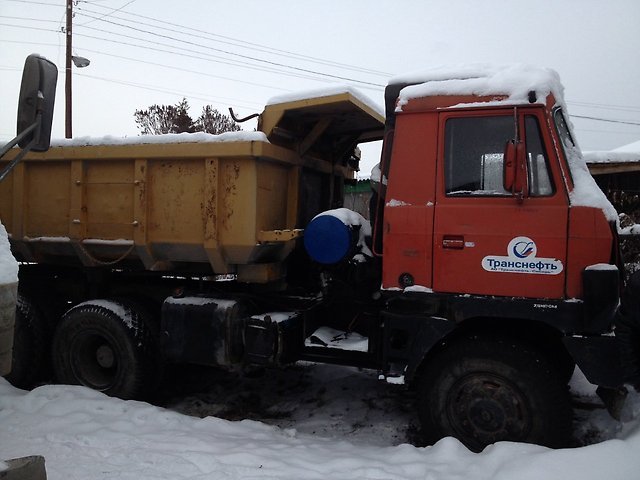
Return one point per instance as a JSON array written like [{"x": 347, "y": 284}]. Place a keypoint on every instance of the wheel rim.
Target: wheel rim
[
  {"x": 94, "y": 360},
  {"x": 483, "y": 408}
]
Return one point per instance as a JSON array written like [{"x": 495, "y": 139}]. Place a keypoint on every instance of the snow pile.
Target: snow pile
[
  {"x": 586, "y": 192},
  {"x": 611, "y": 157},
  {"x": 327, "y": 92},
  {"x": 511, "y": 81},
  {"x": 8, "y": 264},
  {"x": 629, "y": 148},
  {"x": 199, "y": 137},
  {"x": 85, "y": 434}
]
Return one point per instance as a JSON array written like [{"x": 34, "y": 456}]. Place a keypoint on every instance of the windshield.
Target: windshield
[
  {"x": 585, "y": 191},
  {"x": 569, "y": 146},
  {"x": 563, "y": 130}
]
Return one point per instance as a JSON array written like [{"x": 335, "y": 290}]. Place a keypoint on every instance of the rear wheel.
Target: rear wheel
[
  {"x": 107, "y": 346},
  {"x": 30, "y": 346},
  {"x": 483, "y": 390}
]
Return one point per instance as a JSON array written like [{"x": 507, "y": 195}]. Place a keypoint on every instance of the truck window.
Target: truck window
[
  {"x": 474, "y": 149},
  {"x": 537, "y": 162},
  {"x": 563, "y": 129}
]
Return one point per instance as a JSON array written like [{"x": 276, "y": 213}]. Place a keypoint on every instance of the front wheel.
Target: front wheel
[
  {"x": 484, "y": 390},
  {"x": 108, "y": 346}
]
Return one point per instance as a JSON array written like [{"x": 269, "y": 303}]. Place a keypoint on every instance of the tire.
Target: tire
[
  {"x": 31, "y": 343},
  {"x": 565, "y": 365},
  {"x": 482, "y": 390},
  {"x": 107, "y": 346}
]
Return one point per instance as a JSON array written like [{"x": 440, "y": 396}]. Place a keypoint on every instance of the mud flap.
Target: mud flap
[{"x": 598, "y": 358}]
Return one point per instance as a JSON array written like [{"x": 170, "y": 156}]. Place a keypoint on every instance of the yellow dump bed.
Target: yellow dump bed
[{"x": 231, "y": 203}]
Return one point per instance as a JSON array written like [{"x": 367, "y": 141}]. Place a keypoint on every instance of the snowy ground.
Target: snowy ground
[{"x": 306, "y": 422}]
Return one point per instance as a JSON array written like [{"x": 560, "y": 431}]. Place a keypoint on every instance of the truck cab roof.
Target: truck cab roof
[{"x": 472, "y": 85}]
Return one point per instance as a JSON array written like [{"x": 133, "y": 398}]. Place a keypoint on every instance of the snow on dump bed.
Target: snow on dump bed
[
  {"x": 199, "y": 137},
  {"x": 8, "y": 264},
  {"x": 327, "y": 92},
  {"x": 513, "y": 81}
]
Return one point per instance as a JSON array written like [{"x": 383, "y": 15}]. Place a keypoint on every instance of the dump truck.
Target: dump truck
[
  {"x": 35, "y": 116},
  {"x": 488, "y": 270}
]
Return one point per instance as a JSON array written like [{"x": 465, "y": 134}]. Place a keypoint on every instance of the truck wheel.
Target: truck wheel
[
  {"x": 107, "y": 346},
  {"x": 30, "y": 346},
  {"x": 483, "y": 390}
]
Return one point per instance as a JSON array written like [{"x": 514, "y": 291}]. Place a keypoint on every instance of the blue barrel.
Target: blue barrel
[{"x": 328, "y": 240}]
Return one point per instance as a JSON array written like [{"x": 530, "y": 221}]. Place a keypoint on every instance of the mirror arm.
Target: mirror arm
[
  {"x": 25, "y": 150},
  {"x": 16, "y": 160},
  {"x": 19, "y": 138}
]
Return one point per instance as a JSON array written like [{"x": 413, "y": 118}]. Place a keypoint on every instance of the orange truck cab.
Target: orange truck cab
[
  {"x": 497, "y": 256},
  {"x": 498, "y": 251}
]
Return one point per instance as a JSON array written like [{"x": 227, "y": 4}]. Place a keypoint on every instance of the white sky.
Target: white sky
[{"x": 592, "y": 44}]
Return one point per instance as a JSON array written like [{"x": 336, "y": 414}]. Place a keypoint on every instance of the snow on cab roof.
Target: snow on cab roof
[
  {"x": 511, "y": 81},
  {"x": 199, "y": 137}
]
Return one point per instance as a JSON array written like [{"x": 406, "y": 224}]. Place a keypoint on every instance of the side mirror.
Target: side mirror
[
  {"x": 37, "y": 96},
  {"x": 515, "y": 169}
]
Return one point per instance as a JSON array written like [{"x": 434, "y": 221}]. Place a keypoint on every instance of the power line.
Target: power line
[
  {"x": 108, "y": 13},
  {"x": 255, "y": 84},
  {"x": 37, "y": 3},
  {"x": 30, "y": 19},
  {"x": 153, "y": 88},
  {"x": 28, "y": 28},
  {"x": 609, "y": 132},
  {"x": 242, "y": 43},
  {"x": 606, "y": 106},
  {"x": 172, "y": 67},
  {"x": 262, "y": 68},
  {"x": 246, "y": 57},
  {"x": 235, "y": 63},
  {"x": 605, "y": 120},
  {"x": 227, "y": 62}
]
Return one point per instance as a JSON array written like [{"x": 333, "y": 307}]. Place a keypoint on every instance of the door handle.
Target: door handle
[{"x": 454, "y": 242}]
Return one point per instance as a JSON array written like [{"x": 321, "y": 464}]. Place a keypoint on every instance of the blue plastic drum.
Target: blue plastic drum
[{"x": 328, "y": 240}]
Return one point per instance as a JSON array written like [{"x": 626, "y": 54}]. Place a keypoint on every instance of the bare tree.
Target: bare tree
[
  {"x": 160, "y": 119},
  {"x": 212, "y": 121}
]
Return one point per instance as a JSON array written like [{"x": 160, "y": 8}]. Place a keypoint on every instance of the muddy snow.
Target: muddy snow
[{"x": 305, "y": 422}]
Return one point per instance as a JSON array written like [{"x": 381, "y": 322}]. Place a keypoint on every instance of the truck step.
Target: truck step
[{"x": 328, "y": 337}]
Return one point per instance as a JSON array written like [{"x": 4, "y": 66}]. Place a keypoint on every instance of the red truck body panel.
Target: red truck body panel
[{"x": 451, "y": 227}]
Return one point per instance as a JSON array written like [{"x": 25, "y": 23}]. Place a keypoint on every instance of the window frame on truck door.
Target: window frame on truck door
[
  {"x": 563, "y": 131},
  {"x": 528, "y": 129}
]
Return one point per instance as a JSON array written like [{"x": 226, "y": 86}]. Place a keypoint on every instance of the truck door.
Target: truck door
[{"x": 487, "y": 240}]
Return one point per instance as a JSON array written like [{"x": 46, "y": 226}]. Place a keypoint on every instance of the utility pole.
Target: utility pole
[{"x": 67, "y": 86}]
